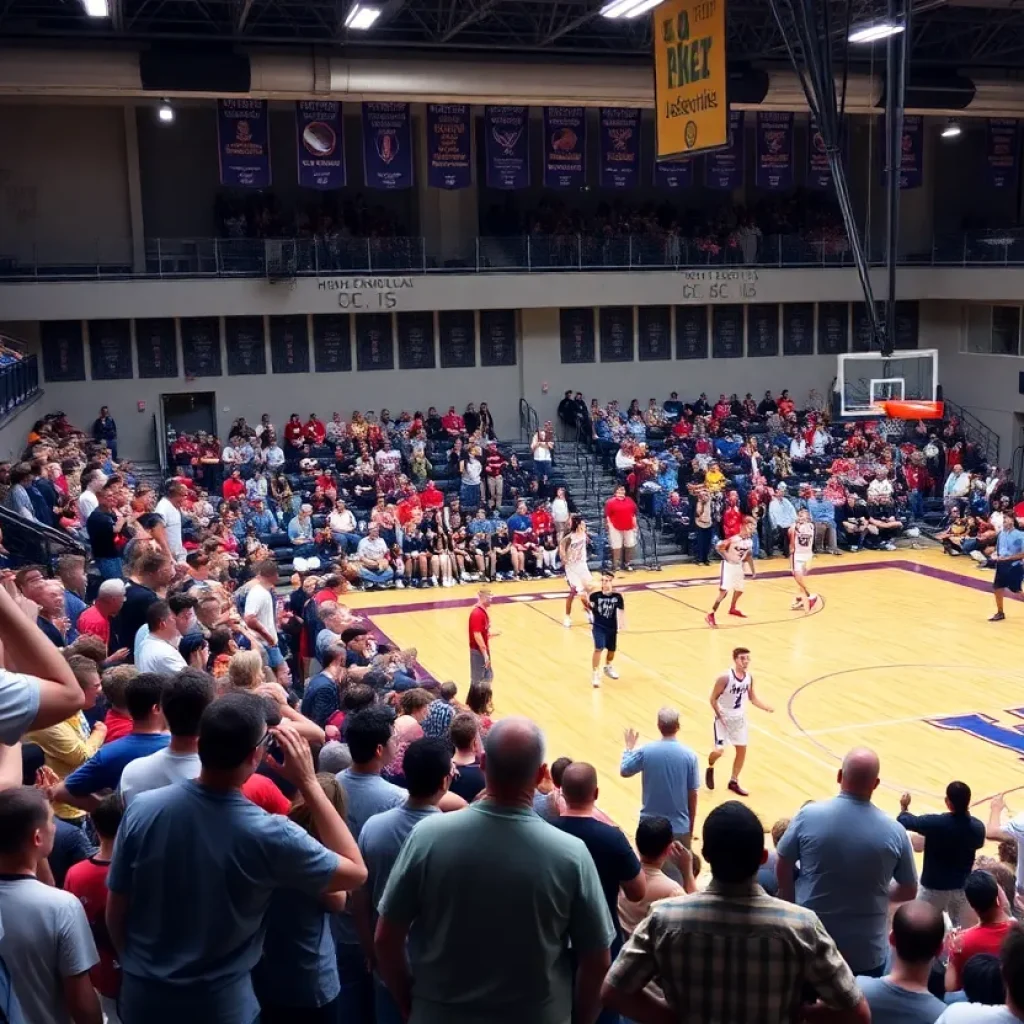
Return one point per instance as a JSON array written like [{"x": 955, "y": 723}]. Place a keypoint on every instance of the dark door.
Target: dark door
[{"x": 190, "y": 412}]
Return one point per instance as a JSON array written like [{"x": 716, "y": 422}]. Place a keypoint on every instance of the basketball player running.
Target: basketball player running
[
  {"x": 736, "y": 551},
  {"x": 572, "y": 549},
  {"x": 801, "y": 544},
  {"x": 609, "y": 610},
  {"x": 729, "y": 702}
]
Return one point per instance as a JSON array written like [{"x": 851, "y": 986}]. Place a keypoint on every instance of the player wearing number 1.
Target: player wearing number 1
[{"x": 729, "y": 699}]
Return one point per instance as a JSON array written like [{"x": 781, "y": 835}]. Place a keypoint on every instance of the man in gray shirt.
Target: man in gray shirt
[
  {"x": 427, "y": 766},
  {"x": 854, "y": 860},
  {"x": 46, "y": 941},
  {"x": 501, "y": 895},
  {"x": 902, "y": 996}
]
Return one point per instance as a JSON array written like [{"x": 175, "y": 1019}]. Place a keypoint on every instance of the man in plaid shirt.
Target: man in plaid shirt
[{"x": 732, "y": 954}]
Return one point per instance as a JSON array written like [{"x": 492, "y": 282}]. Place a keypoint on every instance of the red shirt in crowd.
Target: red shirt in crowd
[
  {"x": 683, "y": 428},
  {"x": 263, "y": 793},
  {"x": 88, "y": 881},
  {"x": 721, "y": 410},
  {"x": 621, "y": 513},
  {"x": 431, "y": 496},
  {"x": 982, "y": 938},
  {"x": 93, "y": 622},
  {"x": 495, "y": 462},
  {"x": 233, "y": 489},
  {"x": 293, "y": 432},
  {"x": 452, "y": 421},
  {"x": 479, "y": 622},
  {"x": 786, "y": 406},
  {"x": 540, "y": 519},
  {"x": 315, "y": 432},
  {"x": 118, "y": 723}
]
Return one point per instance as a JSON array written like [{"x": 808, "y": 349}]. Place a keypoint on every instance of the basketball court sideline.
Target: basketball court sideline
[{"x": 899, "y": 657}]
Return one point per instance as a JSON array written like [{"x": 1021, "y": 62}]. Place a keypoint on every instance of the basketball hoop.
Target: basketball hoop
[{"x": 912, "y": 410}]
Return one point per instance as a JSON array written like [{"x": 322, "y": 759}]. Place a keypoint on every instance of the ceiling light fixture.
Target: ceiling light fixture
[
  {"x": 627, "y": 8},
  {"x": 165, "y": 112},
  {"x": 952, "y": 130},
  {"x": 96, "y": 8},
  {"x": 875, "y": 31},
  {"x": 361, "y": 17}
]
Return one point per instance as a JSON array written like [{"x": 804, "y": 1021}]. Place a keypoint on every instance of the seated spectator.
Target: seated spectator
[
  {"x": 46, "y": 943},
  {"x": 883, "y": 526},
  {"x": 781, "y": 516},
  {"x": 989, "y": 903},
  {"x": 852, "y": 521},
  {"x": 1011, "y": 972},
  {"x": 465, "y": 736},
  {"x": 823, "y": 515},
  {"x": 114, "y": 683},
  {"x": 96, "y": 619},
  {"x": 372, "y": 561},
  {"x": 671, "y": 945},
  {"x": 158, "y": 652}
]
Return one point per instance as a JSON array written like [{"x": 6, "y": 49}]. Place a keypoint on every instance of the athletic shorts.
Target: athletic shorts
[
  {"x": 801, "y": 565},
  {"x": 621, "y": 538},
  {"x": 731, "y": 732},
  {"x": 1009, "y": 576},
  {"x": 732, "y": 577},
  {"x": 605, "y": 639},
  {"x": 578, "y": 577}
]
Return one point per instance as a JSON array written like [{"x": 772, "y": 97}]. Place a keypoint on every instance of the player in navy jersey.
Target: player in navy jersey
[{"x": 609, "y": 611}]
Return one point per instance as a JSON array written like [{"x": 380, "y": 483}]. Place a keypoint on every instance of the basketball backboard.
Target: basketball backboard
[{"x": 865, "y": 380}]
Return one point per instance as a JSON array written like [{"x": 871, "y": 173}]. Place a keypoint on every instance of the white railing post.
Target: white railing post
[{"x": 529, "y": 254}]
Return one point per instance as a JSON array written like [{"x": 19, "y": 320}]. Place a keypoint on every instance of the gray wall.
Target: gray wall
[{"x": 64, "y": 184}]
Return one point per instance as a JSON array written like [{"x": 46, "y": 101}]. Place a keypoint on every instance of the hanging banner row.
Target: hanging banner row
[{"x": 387, "y": 150}]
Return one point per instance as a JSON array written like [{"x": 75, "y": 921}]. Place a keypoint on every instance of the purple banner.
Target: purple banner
[
  {"x": 774, "y": 134},
  {"x": 911, "y": 151},
  {"x": 819, "y": 173},
  {"x": 565, "y": 147},
  {"x": 620, "y": 147},
  {"x": 387, "y": 145},
  {"x": 320, "y": 143},
  {"x": 673, "y": 173},
  {"x": 507, "y": 146},
  {"x": 448, "y": 147},
  {"x": 1002, "y": 149},
  {"x": 243, "y": 143},
  {"x": 723, "y": 169}
]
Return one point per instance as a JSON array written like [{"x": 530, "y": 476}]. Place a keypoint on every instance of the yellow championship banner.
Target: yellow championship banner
[{"x": 689, "y": 77}]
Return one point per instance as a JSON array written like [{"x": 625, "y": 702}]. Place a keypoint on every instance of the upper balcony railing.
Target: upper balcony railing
[{"x": 326, "y": 256}]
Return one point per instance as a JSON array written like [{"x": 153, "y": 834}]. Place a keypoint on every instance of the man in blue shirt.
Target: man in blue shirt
[
  {"x": 195, "y": 866},
  {"x": 520, "y": 522},
  {"x": 262, "y": 518},
  {"x": 781, "y": 515},
  {"x": 823, "y": 515},
  {"x": 1009, "y": 560},
  {"x": 670, "y": 774}
]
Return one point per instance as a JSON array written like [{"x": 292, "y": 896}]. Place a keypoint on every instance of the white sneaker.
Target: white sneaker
[
  {"x": 609, "y": 671},
  {"x": 979, "y": 556},
  {"x": 433, "y": 580},
  {"x": 595, "y": 681},
  {"x": 399, "y": 585},
  {"x": 448, "y": 582},
  {"x": 567, "y": 622}
]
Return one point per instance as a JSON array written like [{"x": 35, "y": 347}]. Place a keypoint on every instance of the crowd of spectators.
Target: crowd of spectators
[{"x": 699, "y": 467}]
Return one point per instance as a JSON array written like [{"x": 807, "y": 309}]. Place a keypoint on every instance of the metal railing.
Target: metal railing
[
  {"x": 529, "y": 421},
  {"x": 19, "y": 381},
  {"x": 327, "y": 256},
  {"x": 975, "y": 430},
  {"x": 29, "y": 542}
]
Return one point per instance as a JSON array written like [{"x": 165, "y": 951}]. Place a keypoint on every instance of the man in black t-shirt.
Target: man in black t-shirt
[
  {"x": 608, "y": 608},
  {"x": 146, "y": 585},
  {"x": 617, "y": 865}
]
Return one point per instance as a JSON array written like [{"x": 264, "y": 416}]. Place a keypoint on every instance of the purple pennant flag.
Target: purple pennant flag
[
  {"x": 448, "y": 147},
  {"x": 673, "y": 173},
  {"x": 387, "y": 145},
  {"x": 507, "y": 146},
  {"x": 819, "y": 173},
  {"x": 723, "y": 169},
  {"x": 320, "y": 143},
  {"x": 565, "y": 147},
  {"x": 620, "y": 147},
  {"x": 911, "y": 151},
  {"x": 1002, "y": 149},
  {"x": 774, "y": 169},
  {"x": 243, "y": 143}
]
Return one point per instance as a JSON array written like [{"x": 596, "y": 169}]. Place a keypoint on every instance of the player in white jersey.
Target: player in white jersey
[
  {"x": 572, "y": 549},
  {"x": 729, "y": 699},
  {"x": 736, "y": 552},
  {"x": 801, "y": 546}
]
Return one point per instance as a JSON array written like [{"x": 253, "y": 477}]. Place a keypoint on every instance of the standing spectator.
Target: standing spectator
[
  {"x": 1011, "y": 973},
  {"x": 731, "y": 953},
  {"x": 106, "y": 529},
  {"x": 169, "y": 509},
  {"x": 104, "y": 429},
  {"x": 427, "y": 767},
  {"x": 114, "y": 683},
  {"x": 45, "y": 942},
  {"x": 322, "y": 696},
  {"x": 950, "y": 842},
  {"x": 88, "y": 881},
  {"x": 92, "y": 482},
  {"x": 494, "y": 468},
  {"x": 542, "y": 445},
  {"x": 190, "y": 958},
  {"x": 1009, "y": 562},
  {"x": 670, "y": 775},
  {"x": 71, "y": 570},
  {"x": 854, "y": 860},
  {"x": 902, "y": 994},
  {"x": 620, "y": 519},
  {"x": 703, "y": 524},
  {"x": 989, "y": 902},
  {"x": 261, "y": 616},
  {"x": 146, "y": 584},
  {"x": 436, "y": 890},
  {"x": 481, "y": 669}
]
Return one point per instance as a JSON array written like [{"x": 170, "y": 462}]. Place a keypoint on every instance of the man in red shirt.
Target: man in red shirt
[
  {"x": 314, "y": 430},
  {"x": 234, "y": 486},
  {"x": 88, "y": 881},
  {"x": 620, "y": 519},
  {"x": 721, "y": 409},
  {"x": 431, "y": 497},
  {"x": 541, "y": 521},
  {"x": 988, "y": 901},
  {"x": 96, "y": 618},
  {"x": 732, "y": 515},
  {"x": 452, "y": 422},
  {"x": 493, "y": 468},
  {"x": 480, "y": 668}
]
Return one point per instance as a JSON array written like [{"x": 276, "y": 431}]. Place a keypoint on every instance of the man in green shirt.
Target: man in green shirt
[{"x": 490, "y": 899}]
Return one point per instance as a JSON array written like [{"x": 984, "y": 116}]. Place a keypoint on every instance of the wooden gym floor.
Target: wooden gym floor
[{"x": 899, "y": 657}]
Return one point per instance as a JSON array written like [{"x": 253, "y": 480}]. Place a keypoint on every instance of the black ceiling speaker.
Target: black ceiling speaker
[
  {"x": 190, "y": 67},
  {"x": 936, "y": 90}
]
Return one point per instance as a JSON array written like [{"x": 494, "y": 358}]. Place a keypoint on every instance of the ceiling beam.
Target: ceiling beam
[
  {"x": 479, "y": 12},
  {"x": 244, "y": 10}
]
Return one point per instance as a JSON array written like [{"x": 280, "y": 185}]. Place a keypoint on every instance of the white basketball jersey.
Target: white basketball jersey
[
  {"x": 804, "y": 539},
  {"x": 732, "y": 702},
  {"x": 577, "y": 552},
  {"x": 738, "y": 550}
]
